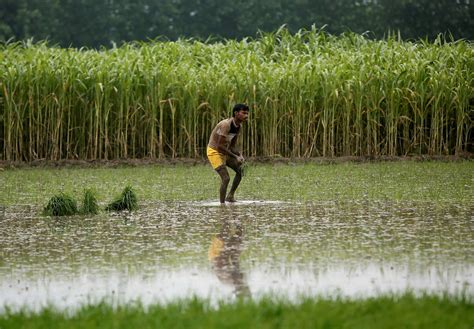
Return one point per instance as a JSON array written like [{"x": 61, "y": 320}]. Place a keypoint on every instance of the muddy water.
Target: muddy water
[{"x": 177, "y": 250}]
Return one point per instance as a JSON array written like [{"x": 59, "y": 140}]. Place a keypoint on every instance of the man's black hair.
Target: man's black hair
[{"x": 239, "y": 107}]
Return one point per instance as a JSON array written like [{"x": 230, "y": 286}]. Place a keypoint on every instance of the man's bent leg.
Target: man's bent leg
[
  {"x": 217, "y": 161},
  {"x": 224, "y": 174},
  {"x": 237, "y": 167}
]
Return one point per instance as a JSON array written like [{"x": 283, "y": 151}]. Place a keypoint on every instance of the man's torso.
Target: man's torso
[{"x": 225, "y": 128}]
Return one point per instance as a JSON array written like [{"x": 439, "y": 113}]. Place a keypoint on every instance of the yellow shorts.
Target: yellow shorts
[
  {"x": 215, "y": 248},
  {"x": 215, "y": 158}
]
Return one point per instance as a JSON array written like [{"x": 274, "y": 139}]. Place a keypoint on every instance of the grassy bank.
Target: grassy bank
[
  {"x": 382, "y": 312},
  {"x": 311, "y": 94},
  {"x": 435, "y": 182}
]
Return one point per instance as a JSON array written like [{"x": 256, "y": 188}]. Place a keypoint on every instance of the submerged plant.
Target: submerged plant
[
  {"x": 89, "y": 204},
  {"x": 126, "y": 201},
  {"x": 61, "y": 205}
]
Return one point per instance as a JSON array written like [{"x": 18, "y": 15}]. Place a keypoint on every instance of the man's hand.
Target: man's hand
[{"x": 240, "y": 159}]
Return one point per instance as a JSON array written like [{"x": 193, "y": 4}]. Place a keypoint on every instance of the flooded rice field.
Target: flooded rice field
[{"x": 172, "y": 250}]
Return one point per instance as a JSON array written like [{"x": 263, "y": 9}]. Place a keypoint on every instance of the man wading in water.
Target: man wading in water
[{"x": 221, "y": 151}]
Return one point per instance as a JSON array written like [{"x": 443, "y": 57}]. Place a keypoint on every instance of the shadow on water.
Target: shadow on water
[{"x": 225, "y": 250}]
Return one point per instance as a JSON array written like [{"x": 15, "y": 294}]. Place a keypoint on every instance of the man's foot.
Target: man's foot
[{"x": 230, "y": 199}]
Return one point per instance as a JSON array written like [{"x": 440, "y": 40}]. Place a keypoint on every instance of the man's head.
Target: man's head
[{"x": 238, "y": 108}]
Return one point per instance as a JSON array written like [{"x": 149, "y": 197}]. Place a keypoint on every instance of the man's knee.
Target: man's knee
[
  {"x": 236, "y": 167},
  {"x": 232, "y": 162},
  {"x": 238, "y": 171},
  {"x": 225, "y": 179}
]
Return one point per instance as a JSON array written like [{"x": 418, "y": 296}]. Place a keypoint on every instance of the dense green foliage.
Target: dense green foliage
[
  {"x": 61, "y": 205},
  {"x": 382, "y": 312},
  {"x": 126, "y": 201},
  {"x": 311, "y": 94},
  {"x": 103, "y": 22}
]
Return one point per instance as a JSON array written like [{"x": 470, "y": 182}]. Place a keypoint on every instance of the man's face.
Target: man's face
[{"x": 242, "y": 115}]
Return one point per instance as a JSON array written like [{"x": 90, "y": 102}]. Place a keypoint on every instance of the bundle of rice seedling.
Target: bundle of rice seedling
[
  {"x": 89, "y": 204},
  {"x": 61, "y": 205},
  {"x": 126, "y": 201}
]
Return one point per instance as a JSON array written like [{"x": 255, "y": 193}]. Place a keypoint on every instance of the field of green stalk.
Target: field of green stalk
[
  {"x": 383, "y": 312},
  {"x": 311, "y": 94}
]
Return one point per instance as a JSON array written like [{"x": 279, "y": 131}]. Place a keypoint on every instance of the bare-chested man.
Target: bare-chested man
[{"x": 221, "y": 151}]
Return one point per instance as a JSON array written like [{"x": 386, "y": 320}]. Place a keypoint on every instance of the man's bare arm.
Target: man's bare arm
[
  {"x": 228, "y": 151},
  {"x": 221, "y": 148},
  {"x": 232, "y": 147}
]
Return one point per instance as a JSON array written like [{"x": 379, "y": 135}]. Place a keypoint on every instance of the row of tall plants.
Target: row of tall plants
[{"x": 310, "y": 93}]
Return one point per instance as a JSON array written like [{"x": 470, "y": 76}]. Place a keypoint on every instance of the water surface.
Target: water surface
[{"x": 170, "y": 250}]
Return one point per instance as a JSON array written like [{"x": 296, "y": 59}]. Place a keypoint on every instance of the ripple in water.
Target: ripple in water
[{"x": 172, "y": 250}]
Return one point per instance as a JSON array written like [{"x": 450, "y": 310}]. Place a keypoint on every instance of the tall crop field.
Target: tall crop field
[{"x": 311, "y": 94}]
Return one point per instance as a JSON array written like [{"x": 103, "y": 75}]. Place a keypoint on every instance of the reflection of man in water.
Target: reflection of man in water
[{"x": 224, "y": 254}]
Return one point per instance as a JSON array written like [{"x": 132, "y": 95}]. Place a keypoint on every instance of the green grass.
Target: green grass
[
  {"x": 435, "y": 182},
  {"x": 381, "y": 312}
]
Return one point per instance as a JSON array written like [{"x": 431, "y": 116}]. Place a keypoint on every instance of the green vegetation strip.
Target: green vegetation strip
[
  {"x": 381, "y": 312},
  {"x": 311, "y": 94},
  {"x": 435, "y": 182}
]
